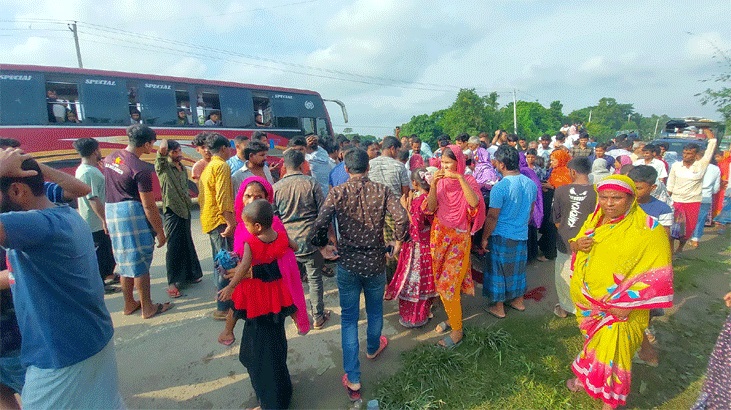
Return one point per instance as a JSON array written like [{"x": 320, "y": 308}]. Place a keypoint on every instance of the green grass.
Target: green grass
[{"x": 523, "y": 363}]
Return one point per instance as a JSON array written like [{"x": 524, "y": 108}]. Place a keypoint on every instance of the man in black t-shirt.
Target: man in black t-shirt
[{"x": 572, "y": 204}]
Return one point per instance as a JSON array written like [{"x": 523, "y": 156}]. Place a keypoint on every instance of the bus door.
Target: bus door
[
  {"x": 22, "y": 98},
  {"x": 237, "y": 107}
]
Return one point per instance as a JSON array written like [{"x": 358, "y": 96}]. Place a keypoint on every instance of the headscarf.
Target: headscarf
[
  {"x": 484, "y": 173},
  {"x": 560, "y": 174},
  {"x": 599, "y": 170},
  {"x": 628, "y": 267},
  {"x": 623, "y": 160},
  {"x": 416, "y": 161},
  {"x": 537, "y": 214},
  {"x": 453, "y": 209},
  {"x": 240, "y": 232}
]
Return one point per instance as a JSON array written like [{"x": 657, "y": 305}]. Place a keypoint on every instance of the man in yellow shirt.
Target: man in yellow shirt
[{"x": 217, "y": 212}]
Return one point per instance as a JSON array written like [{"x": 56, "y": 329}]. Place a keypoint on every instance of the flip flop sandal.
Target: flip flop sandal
[
  {"x": 510, "y": 305},
  {"x": 353, "y": 395},
  {"x": 448, "y": 343},
  {"x": 383, "y": 343},
  {"x": 174, "y": 294},
  {"x": 443, "y": 326},
  {"x": 161, "y": 308},
  {"x": 487, "y": 309},
  {"x": 324, "y": 318}
]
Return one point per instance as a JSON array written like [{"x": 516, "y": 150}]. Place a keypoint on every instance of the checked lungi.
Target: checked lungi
[
  {"x": 133, "y": 239},
  {"x": 505, "y": 280}
]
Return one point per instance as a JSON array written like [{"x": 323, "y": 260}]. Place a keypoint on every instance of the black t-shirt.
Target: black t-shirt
[{"x": 572, "y": 204}]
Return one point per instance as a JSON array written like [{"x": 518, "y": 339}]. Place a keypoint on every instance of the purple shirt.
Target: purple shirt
[{"x": 126, "y": 176}]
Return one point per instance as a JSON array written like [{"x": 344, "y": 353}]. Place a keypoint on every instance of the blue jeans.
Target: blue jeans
[
  {"x": 349, "y": 286},
  {"x": 702, "y": 215}
]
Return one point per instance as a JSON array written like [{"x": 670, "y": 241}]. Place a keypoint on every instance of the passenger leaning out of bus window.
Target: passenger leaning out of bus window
[
  {"x": 182, "y": 117},
  {"x": 72, "y": 118},
  {"x": 134, "y": 116},
  {"x": 214, "y": 119}
]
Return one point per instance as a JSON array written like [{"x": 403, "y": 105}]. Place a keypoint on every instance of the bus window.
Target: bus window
[
  {"x": 322, "y": 127},
  {"x": 286, "y": 122},
  {"x": 105, "y": 101},
  {"x": 22, "y": 99},
  {"x": 262, "y": 111},
  {"x": 62, "y": 97},
  {"x": 158, "y": 101},
  {"x": 208, "y": 104},
  {"x": 236, "y": 107},
  {"x": 308, "y": 126},
  {"x": 182, "y": 102},
  {"x": 134, "y": 106}
]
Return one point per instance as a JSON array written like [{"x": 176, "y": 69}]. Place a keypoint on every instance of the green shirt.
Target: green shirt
[{"x": 174, "y": 186}]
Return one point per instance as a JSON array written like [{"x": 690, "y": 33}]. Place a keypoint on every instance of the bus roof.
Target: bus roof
[{"x": 85, "y": 71}]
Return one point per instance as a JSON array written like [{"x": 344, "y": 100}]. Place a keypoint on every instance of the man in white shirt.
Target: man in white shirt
[
  {"x": 623, "y": 148},
  {"x": 685, "y": 184},
  {"x": 711, "y": 185},
  {"x": 256, "y": 155},
  {"x": 648, "y": 158},
  {"x": 545, "y": 149}
]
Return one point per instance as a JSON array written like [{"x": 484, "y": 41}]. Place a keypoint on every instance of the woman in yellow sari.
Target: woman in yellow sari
[{"x": 622, "y": 269}]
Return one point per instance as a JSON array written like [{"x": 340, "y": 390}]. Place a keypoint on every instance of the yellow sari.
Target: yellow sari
[{"x": 628, "y": 267}]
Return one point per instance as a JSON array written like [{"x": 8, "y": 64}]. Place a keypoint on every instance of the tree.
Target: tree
[
  {"x": 721, "y": 97},
  {"x": 425, "y": 126},
  {"x": 533, "y": 119},
  {"x": 467, "y": 114}
]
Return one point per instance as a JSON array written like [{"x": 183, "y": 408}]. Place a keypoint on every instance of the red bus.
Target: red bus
[{"x": 47, "y": 108}]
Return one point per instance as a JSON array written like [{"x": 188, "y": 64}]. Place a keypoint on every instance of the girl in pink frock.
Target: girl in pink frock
[{"x": 413, "y": 283}]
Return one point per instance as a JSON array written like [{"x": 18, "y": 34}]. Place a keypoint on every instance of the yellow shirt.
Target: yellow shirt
[{"x": 215, "y": 182}]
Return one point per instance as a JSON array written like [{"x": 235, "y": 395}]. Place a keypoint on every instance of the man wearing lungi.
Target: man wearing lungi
[
  {"x": 685, "y": 185},
  {"x": 133, "y": 219},
  {"x": 58, "y": 295},
  {"x": 181, "y": 260}
]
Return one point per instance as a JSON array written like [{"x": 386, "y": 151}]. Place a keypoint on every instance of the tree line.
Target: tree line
[{"x": 472, "y": 113}]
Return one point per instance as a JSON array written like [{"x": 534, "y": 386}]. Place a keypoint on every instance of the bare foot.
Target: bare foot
[
  {"x": 132, "y": 309},
  {"x": 573, "y": 385},
  {"x": 226, "y": 338}
]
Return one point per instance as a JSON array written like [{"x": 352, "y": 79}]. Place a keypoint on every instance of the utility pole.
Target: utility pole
[
  {"x": 515, "y": 114},
  {"x": 73, "y": 29}
]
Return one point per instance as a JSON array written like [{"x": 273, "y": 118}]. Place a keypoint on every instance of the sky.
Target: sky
[{"x": 389, "y": 60}]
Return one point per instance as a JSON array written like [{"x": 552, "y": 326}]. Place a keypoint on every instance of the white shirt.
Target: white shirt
[
  {"x": 686, "y": 183},
  {"x": 239, "y": 176},
  {"x": 617, "y": 152},
  {"x": 655, "y": 163},
  {"x": 711, "y": 183}
]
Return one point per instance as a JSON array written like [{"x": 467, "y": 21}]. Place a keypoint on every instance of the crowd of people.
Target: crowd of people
[{"x": 400, "y": 221}]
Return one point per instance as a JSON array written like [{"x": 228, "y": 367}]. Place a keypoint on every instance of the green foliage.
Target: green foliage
[
  {"x": 720, "y": 97},
  {"x": 473, "y": 114}
]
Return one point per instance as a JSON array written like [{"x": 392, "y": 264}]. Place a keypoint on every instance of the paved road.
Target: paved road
[{"x": 174, "y": 360}]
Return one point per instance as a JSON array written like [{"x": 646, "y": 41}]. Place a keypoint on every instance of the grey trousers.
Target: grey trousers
[{"x": 311, "y": 265}]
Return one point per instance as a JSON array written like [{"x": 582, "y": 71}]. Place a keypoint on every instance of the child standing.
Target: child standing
[
  {"x": 413, "y": 283},
  {"x": 263, "y": 300}
]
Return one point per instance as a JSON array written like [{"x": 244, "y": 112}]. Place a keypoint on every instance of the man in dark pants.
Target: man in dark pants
[{"x": 181, "y": 259}]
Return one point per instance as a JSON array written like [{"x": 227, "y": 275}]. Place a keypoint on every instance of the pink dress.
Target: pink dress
[{"x": 413, "y": 282}]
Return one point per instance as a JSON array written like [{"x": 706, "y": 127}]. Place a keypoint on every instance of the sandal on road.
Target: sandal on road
[
  {"x": 161, "y": 308},
  {"x": 174, "y": 293},
  {"x": 320, "y": 322},
  {"x": 383, "y": 343},
  {"x": 448, "y": 343},
  {"x": 442, "y": 327},
  {"x": 353, "y": 395}
]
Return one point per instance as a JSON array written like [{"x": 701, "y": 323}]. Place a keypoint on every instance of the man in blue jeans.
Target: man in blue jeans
[{"x": 359, "y": 206}]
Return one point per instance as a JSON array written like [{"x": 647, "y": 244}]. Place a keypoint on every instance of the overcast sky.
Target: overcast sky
[{"x": 388, "y": 60}]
